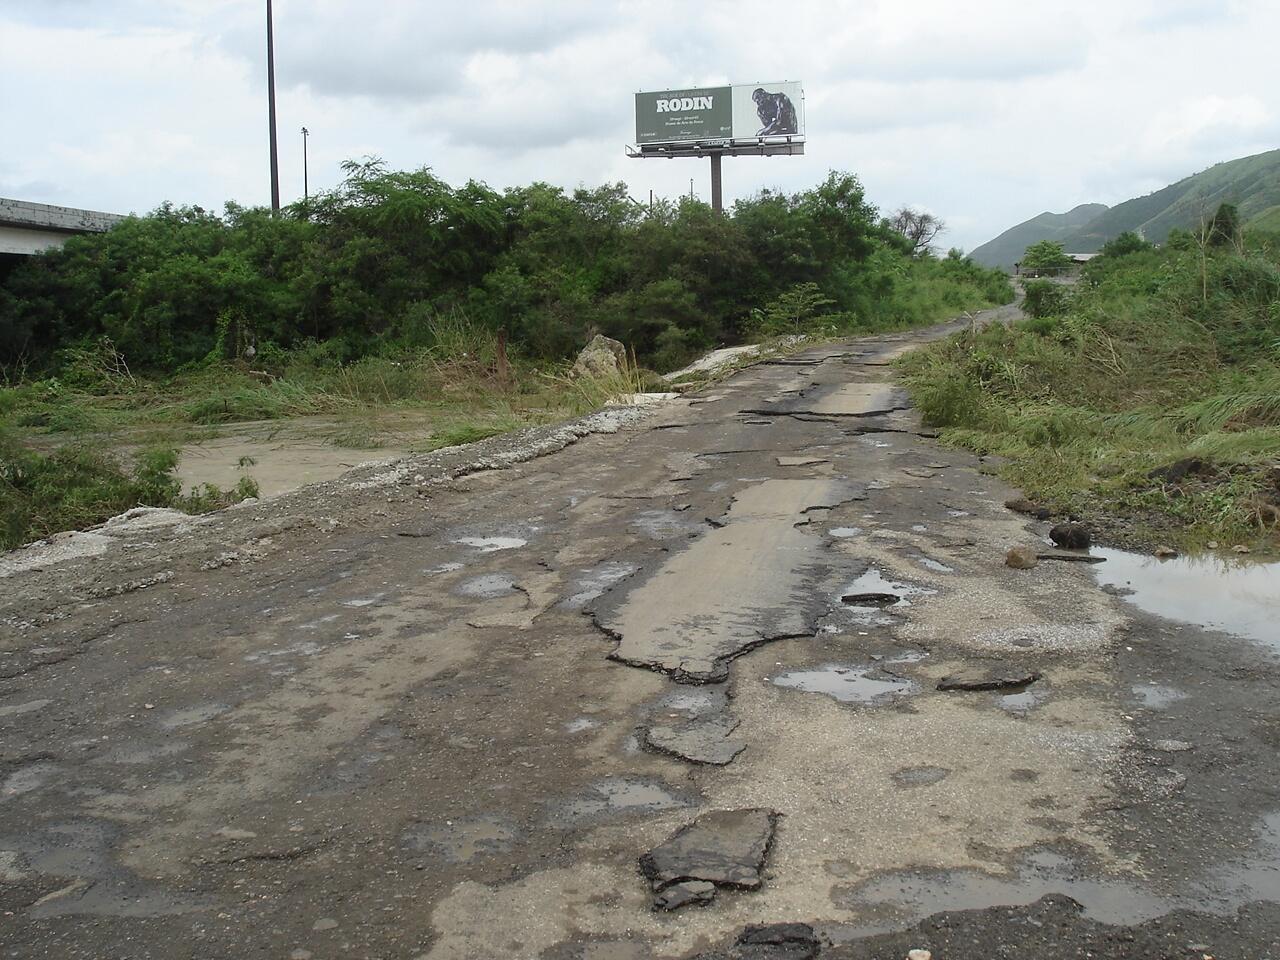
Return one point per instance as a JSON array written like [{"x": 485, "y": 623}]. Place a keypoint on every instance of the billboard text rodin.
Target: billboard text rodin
[{"x": 744, "y": 111}]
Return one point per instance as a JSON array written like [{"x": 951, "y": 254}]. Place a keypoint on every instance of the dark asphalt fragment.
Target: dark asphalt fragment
[
  {"x": 697, "y": 741},
  {"x": 989, "y": 677},
  {"x": 685, "y": 893},
  {"x": 1071, "y": 557},
  {"x": 726, "y": 848},
  {"x": 871, "y": 599},
  {"x": 774, "y": 941}
]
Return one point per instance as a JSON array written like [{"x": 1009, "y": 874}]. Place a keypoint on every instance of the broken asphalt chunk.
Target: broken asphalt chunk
[
  {"x": 697, "y": 741},
  {"x": 684, "y": 893},
  {"x": 725, "y": 848},
  {"x": 777, "y": 941},
  {"x": 871, "y": 599},
  {"x": 989, "y": 677}
]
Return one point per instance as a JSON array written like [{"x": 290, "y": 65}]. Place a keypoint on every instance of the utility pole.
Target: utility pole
[
  {"x": 691, "y": 188},
  {"x": 271, "y": 113},
  {"x": 306, "y": 193}
]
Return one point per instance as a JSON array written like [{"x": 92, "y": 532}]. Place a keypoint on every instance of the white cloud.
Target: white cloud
[{"x": 986, "y": 113}]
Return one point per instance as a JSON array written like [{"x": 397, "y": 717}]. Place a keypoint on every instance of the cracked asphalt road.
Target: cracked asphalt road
[{"x": 446, "y": 708}]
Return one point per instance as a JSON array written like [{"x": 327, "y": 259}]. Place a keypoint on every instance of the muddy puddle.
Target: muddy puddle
[
  {"x": 848, "y": 684},
  {"x": 618, "y": 796},
  {"x": 1239, "y": 597},
  {"x": 284, "y": 455},
  {"x": 908, "y": 896},
  {"x": 915, "y": 895}
]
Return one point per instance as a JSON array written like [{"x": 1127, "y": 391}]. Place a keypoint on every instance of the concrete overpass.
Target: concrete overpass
[{"x": 27, "y": 228}]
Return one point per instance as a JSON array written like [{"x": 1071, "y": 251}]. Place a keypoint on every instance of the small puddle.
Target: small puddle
[
  {"x": 1023, "y": 700},
  {"x": 618, "y": 796},
  {"x": 488, "y": 586},
  {"x": 492, "y": 544},
  {"x": 1240, "y": 598},
  {"x": 918, "y": 895},
  {"x": 844, "y": 533},
  {"x": 848, "y": 684},
  {"x": 448, "y": 567},
  {"x": 592, "y": 584},
  {"x": 1155, "y": 697},
  {"x": 872, "y": 596},
  {"x": 664, "y": 524},
  {"x": 937, "y": 566}
]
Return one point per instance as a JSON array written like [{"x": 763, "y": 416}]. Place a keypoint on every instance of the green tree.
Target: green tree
[
  {"x": 1045, "y": 256},
  {"x": 1125, "y": 244}
]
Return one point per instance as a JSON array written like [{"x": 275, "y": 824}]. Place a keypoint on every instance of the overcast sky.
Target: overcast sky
[{"x": 984, "y": 112}]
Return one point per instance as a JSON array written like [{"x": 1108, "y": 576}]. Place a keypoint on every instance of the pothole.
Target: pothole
[
  {"x": 613, "y": 796},
  {"x": 871, "y": 686}
]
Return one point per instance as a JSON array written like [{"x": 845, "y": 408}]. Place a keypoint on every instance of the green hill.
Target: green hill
[
  {"x": 1005, "y": 250},
  {"x": 1251, "y": 183}
]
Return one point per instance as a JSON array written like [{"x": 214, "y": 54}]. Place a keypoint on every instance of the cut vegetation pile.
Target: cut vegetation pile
[{"x": 1147, "y": 399}]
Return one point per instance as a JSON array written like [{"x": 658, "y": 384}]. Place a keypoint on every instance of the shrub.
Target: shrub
[{"x": 1044, "y": 298}]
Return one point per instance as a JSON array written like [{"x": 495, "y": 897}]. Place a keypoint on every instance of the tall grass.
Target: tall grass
[{"x": 1142, "y": 366}]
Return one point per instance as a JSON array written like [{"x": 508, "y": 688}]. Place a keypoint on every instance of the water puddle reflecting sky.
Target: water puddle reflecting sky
[{"x": 1238, "y": 597}]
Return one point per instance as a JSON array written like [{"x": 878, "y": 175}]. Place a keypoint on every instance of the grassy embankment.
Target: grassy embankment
[
  {"x": 1159, "y": 357},
  {"x": 96, "y": 441}
]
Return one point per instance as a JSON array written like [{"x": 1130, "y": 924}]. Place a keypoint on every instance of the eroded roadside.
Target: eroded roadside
[{"x": 687, "y": 658}]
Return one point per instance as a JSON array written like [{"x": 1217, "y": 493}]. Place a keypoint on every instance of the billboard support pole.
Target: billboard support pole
[{"x": 717, "y": 184}]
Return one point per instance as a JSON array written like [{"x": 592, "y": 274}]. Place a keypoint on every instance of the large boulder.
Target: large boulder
[{"x": 601, "y": 357}]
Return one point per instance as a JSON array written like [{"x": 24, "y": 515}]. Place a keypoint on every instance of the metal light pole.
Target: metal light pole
[
  {"x": 271, "y": 113},
  {"x": 306, "y": 193}
]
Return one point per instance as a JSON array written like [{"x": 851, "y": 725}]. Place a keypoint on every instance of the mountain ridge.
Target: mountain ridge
[{"x": 1252, "y": 183}]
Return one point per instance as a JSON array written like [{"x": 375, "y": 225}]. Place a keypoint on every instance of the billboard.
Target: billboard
[{"x": 744, "y": 111}]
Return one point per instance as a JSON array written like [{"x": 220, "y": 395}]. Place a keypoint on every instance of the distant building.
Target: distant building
[{"x": 27, "y": 228}]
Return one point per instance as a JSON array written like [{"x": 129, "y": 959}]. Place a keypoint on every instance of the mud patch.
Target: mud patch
[{"x": 462, "y": 841}]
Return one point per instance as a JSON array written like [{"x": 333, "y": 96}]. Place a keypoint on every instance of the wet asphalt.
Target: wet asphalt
[{"x": 741, "y": 676}]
